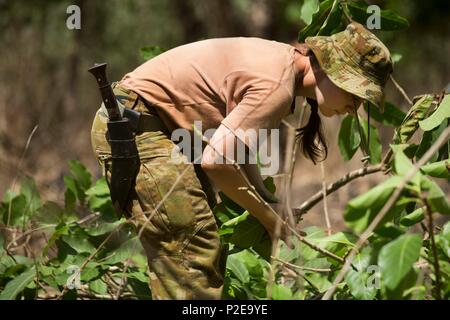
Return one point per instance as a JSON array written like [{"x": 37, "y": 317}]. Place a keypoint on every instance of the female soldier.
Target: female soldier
[{"x": 228, "y": 84}]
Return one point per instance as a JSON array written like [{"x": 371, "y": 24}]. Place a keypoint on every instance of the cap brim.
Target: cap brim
[{"x": 334, "y": 64}]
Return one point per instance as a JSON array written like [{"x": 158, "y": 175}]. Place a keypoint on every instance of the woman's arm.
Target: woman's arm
[{"x": 227, "y": 178}]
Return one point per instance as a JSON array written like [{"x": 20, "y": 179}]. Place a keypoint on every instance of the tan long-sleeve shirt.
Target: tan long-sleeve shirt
[{"x": 242, "y": 82}]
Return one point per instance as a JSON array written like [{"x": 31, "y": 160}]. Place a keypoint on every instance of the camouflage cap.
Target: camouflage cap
[{"x": 355, "y": 60}]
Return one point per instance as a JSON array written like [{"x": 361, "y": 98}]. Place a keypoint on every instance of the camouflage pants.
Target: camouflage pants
[{"x": 185, "y": 258}]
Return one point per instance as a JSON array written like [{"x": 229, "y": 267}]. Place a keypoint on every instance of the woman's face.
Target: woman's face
[{"x": 333, "y": 100}]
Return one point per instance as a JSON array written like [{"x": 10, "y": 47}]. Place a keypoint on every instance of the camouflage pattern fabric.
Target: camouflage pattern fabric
[
  {"x": 355, "y": 60},
  {"x": 181, "y": 241}
]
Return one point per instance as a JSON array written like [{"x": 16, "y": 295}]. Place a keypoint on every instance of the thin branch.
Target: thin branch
[
  {"x": 401, "y": 90},
  {"x": 312, "y": 201},
  {"x": 443, "y": 138},
  {"x": 346, "y": 13},
  {"x": 19, "y": 168},
  {"x": 123, "y": 280},
  {"x": 291, "y": 265},
  {"x": 437, "y": 269},
  {"x": 325, "y": 204}
]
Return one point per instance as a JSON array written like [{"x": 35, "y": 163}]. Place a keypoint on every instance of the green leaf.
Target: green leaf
[
  {"x": 444, "y": 239},
  {"x": 97, "y": 203},
  {"x": 402, "y": 164},
  {"x": 29, "y": 190},
  {"x": 17, "y": 285},
  {"x": 333, "y": 23},
  {"x": 8, "y": 195},
  {"x": 124, "y": 252},
  {"x": 98, "y": 286},
  {"x": 60, "y": 230},
  {"x": 392, "y": 115},
  {"x": 349, "y": 139},
  {"x": 308, "y": 9},
  {"x": 149, "y": 52},
  {"x": 140, "y": 276},
  {"x": 414, "y": 217},
  {"x": 361, "y": 210},
  {"x": 76, "y": 184},
  {"x": 411, "y": 121},
  {"x": 99, "y": 228},
  {"x": 389, "y": 19},
  {"x": 264, "y": 247},
  {"x": 428, "y": 139},
  {"x": 71, "y": 193},
  {"x": 228, "y": 226},
  {"x": 247, "y": 233},
  {"x": 318, "y": 281},
  {"x": 435, "y": 196},
  {"x": 2, "y": 246},
  {"x": 50, "y": 214},
  {"x": 313, "y": 234},
  {"x": 403, "y": 288},
  {"x": 441, "y": 113},
  {"x": 318, "y": 19},
  {"x": 79, "y": 243},
  {"x": 227, "y": 209},
  {"x": 374, "y": 143},
  {"x": 81, "y": 174},
  {"x": 14, "y": 211},
  {"x": 358, "y": 280},
  {"x": 281, "y": 292},
  {"x": 396, "y": 258},
  {"x": 238, "y": 269},
  {"x": 99, "y": 189},
  {"x": 389, "y": 230},
  {"x": 89, "y": 272},
  {"x": 440, "y": 169},
  {"x": 288, "y": 254},
  {"x": 251, "y": 262},
  {"x": 339, "y": 243},
  {"x": 269, "y": 184}
]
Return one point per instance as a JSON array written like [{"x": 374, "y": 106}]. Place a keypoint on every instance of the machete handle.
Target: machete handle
[{"x": 108, "y": 97}]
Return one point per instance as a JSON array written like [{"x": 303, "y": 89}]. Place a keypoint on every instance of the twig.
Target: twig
[
  {"x": 443, "y": 138},
  {"x": 19, "y": 166},
  {"x": 401, "y": 90},
  {"x": 302, "y": 267},
  {"x": 346, "y": 13},
  {"x": 325, "y": 204},
  {"x": 437, "y": 269},
  {"x": 123, "y": 280},
  {"x": 26, "y": 234},
  {"x": 286, "y": 183},
  {"x": 312, "y": 201}
]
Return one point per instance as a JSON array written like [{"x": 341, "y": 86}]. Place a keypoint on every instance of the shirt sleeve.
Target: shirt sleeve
[{"x": 263, "y": 106}]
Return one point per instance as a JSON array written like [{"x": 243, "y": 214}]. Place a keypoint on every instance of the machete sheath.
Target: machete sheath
[{"x": 121, "y": 137}]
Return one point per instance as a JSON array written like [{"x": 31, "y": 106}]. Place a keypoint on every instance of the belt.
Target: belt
[{"x": 140, "y": 122}]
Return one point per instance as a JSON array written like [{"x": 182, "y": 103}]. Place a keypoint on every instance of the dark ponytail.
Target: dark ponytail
[{"x": 311, "y": 136}]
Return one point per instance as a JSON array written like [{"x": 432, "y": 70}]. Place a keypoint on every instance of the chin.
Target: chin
[{"x": 326, "y": 113}]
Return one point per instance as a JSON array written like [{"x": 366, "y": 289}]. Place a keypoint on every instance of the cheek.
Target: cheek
[{"x": 332, "y": 96}]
